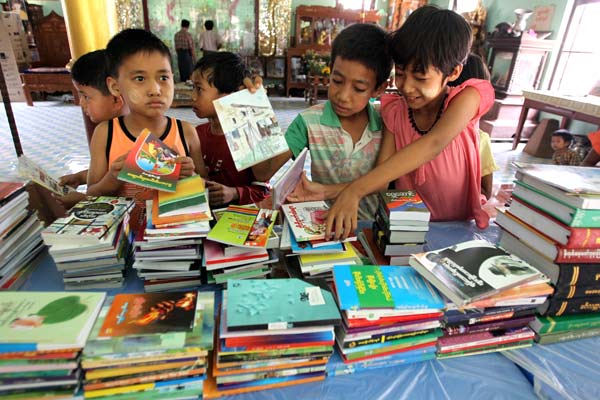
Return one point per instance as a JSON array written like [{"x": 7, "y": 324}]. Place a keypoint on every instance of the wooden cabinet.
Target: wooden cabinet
[
  {"x": 52, "y": 41},
  {"x": 316, "y": 27}
]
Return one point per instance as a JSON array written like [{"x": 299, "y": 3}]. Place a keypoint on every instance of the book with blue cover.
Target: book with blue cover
[
  {"x": 308, "y": 248},
  {"x": 278, "y": 304},
  {"x": 372, "y": 286}
]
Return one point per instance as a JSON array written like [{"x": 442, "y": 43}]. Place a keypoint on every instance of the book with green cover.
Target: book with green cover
[
  {"x": 151, "y": 163},
  {"x": 31, "y": 321},
  {"x": 190, "y": 197},
  {"x": 244, "y": 226},
  {"x": 545, "y": 325}
]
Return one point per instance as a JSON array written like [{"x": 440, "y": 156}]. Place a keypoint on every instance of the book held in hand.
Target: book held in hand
[
  {"x": 30, "y": 170},
  {"x": 251, "y": 129},
  {"x": 288, "y": 180},
  {"x": 151, "y": 163}
]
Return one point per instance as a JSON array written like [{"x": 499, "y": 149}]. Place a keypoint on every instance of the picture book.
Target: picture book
[
  {"x": 288, "y": 180},
  {"x": 571, "y": 179},
  {"x": 31, "y": 321},
  {"x": 473, "y": 270},
  {"x": 372, "y": 286},
  {"x": 88, "y": 221},
  {"x": 215, "y": 258},
  {"x": 404, "y": 205},
  {"x": 251, "y": 129},
  {"x": 244, "y": 226},
  {"x": 151, "y": 163},
  {"x": 278, "y": 304},
  {"x": 28, "y": 169},
  {"x": 146, "y": 313},
  {"x": 190, "y": 197},
  {"x": 307, "y": 219},
  {"x": 308, "y": 248}
]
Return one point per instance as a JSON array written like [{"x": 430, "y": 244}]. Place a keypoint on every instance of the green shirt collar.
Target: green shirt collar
[{"x": 330, "y": 118}]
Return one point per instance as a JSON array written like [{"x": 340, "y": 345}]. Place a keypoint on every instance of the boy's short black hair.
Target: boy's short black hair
[
  {"x": 564, "y": 134},
  {"x": 129, "y": 42},
  {"x": 91, "y": 69},
  {"x": 474, "y": 68},
  {"x": 366, "y": 44},
  {"x": 432, "y": 37},
  {"x": 224, "y": 70},
  {"x": 185, "y": 23},
  {"x": 209, "y": 24}
]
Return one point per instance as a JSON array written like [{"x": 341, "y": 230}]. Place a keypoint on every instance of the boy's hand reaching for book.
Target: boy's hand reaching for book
[
  {"x": 342, "y": 216},
  {"x": 219, "y": 195},
  {"x": 72, "y": 180},
  {"x": 307, "y": 190},
  {"x": 187, "y": 166}
]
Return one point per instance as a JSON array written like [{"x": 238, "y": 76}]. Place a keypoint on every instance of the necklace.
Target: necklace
[{"x": 413, "y": 123}]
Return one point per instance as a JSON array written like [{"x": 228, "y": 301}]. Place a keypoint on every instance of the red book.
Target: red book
[
  {"x": 361, "y": 322},
  {"x": 214, "y": 256}
]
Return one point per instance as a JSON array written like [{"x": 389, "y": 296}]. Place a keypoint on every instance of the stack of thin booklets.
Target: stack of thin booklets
[
  {"x": 554, "y": 223},
  {"x": 41, "y": 337},
  {"x": 240, "y": 244},
  {"x": 401, "y": 223},
  {"x": 391, "y": 316},
  {"x": 91, "y": 245},
  {"x": 273, "y": 333},
  {"x": 304, "y": 230},
  {"x": 20, "y": 240},
  {"x": 492, "y": 296},
  {"x": 168, "y": 249},
  {"x": 150, "y": 346}
]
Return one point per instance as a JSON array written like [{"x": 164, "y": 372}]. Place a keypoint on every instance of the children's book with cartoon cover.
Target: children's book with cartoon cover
[
  {"x": 244, "y": 226},
  {"x": 251, "y": 129},
  {"x": 151, "y": 163},
  {"x": 144, "y": 313},
  {"x": 30, "y": 170},
  {"x": 307, "y": 219}
]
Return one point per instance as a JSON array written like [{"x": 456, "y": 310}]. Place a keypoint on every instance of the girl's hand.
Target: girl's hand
[
  {"x": 187, "y": 166},
  {"x": 342, "y": 216},
  {"x": 220, "y": 194},
  {"x": 307, "y": 190}
]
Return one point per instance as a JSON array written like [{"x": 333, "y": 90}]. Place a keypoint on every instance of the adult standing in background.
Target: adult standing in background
[
  {"x": 184, "y": 45},
  {"x": 210, "y": 40}
]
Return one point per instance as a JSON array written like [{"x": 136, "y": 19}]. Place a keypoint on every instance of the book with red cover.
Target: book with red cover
[
  {"x": 363, "y": 322},
  {"x": 404, "y": 205},
  {"x": 469, "y": 341},
  {"x": 214, "y": 256}
]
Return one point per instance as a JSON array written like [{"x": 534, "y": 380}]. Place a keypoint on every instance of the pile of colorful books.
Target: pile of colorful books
[
  {"x": 483, "y": 283},
  {"x": 238, "y": 246},
  {"x": 168, "y": 248},
  {"x": 91, "y": 245},
  {"x": 20, "y": 240},
  {"x": 391, "y": 316},
  {"x": 554, "y": 223},
  {"x": 304, "y": 234},
  {"x": 401, "y": 223},
  {"x": 41, "y": 337},
  {"x": 273, "y": 333},
  {"x": 149, "y": 346}
]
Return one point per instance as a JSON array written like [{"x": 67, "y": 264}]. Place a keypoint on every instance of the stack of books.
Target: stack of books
[
  {"x": 273, "y": 333},
  {"x": 238, "y": 245},
  {"x": 91, "y": 245},
  {"x": 483, "y": 283},
  {"x": 168, "y": 248},
  {"x": 41, "y": 337},
  {"x": 554, "y": 223},
  {"x": 304, "y": 234},
  {"x": 391, "y": 316},
  {"x": 568, "y": 327},
  {"x": 401, "y": 223},
  {"x": 20, "y": 240},
  {"x": 152, "y": 345}
]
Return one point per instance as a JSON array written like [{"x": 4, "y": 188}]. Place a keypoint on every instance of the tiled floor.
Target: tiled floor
[{"x": 52, "y": 134}]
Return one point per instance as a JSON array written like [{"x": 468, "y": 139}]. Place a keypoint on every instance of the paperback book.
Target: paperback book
[
  {"x": 190, "y": 197},
  {"x": 244, "y": 226},
  {"x": 288, "y": 180},
  {"x": 251, "y": 129},
  {"x": 307, "y": 219},
  {"x": 571, "y": 179},
  {"x": 404, "y": 205},
  {"x": 28, "y": 169},
  {"x": 151, "y": 163}
]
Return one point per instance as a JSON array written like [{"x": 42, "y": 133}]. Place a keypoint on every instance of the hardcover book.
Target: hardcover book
[
  {"x": 88, "y": 221},
  {"x": 372, "y": 286},
  {"x": 151, "y": 163},
  {"x": 30, "y": 170},
  {"x": 147, "y": 313},
  {"x": 307, "y": 219},
  {"x": 251, "y": 129},
  {"x": 547, "y": 325},
  {"x": 278, "y": 304},
  {"x": 404, "y": 205},
  {"x": 244, "y": 227},
  {"x": 288, "y": 180},
  {"x": 568, "y": 178},
  {"x": 190, "y": 197},
  {"x": 31, "y": 321},
  {"x": 473, "y": 270}
]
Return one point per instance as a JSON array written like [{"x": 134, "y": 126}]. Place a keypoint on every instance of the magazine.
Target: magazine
[
  {"x": 151, "y": 163},
  {"x": 30, "y": 170},
  {"x": 251, "y": 129},
  {"x": 288, "y": 180}
]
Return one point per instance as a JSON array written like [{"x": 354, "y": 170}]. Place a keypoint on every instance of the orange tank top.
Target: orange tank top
[{"x": 120, "y": 141}]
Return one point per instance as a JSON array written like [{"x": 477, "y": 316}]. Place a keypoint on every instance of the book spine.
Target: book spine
[
  {"x": 582, "y": 238},
  {"x": 475, "y": 318},
  {"x": 585, "y": 218},
  {"x": 567, "y": 256},
  {"x": 567, "y": 336},
  {"x": 502, "y": 324},
  {"x": 575, "y": 292},
  {"x": 558, "y": 307},
  {"x": 578, "y": 274},
  {"x": 383, "y": 338}
]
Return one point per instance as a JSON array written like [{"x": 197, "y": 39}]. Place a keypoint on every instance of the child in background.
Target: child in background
[
  {"x": 593, "y": 157},
  {"x": 139, "y": 72},
  {"x": 560, "y": 142},
  {"x": 218, "y": 74},
  {"x": 343, "y": 134},
  {"x": 433, "y": 127}
]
